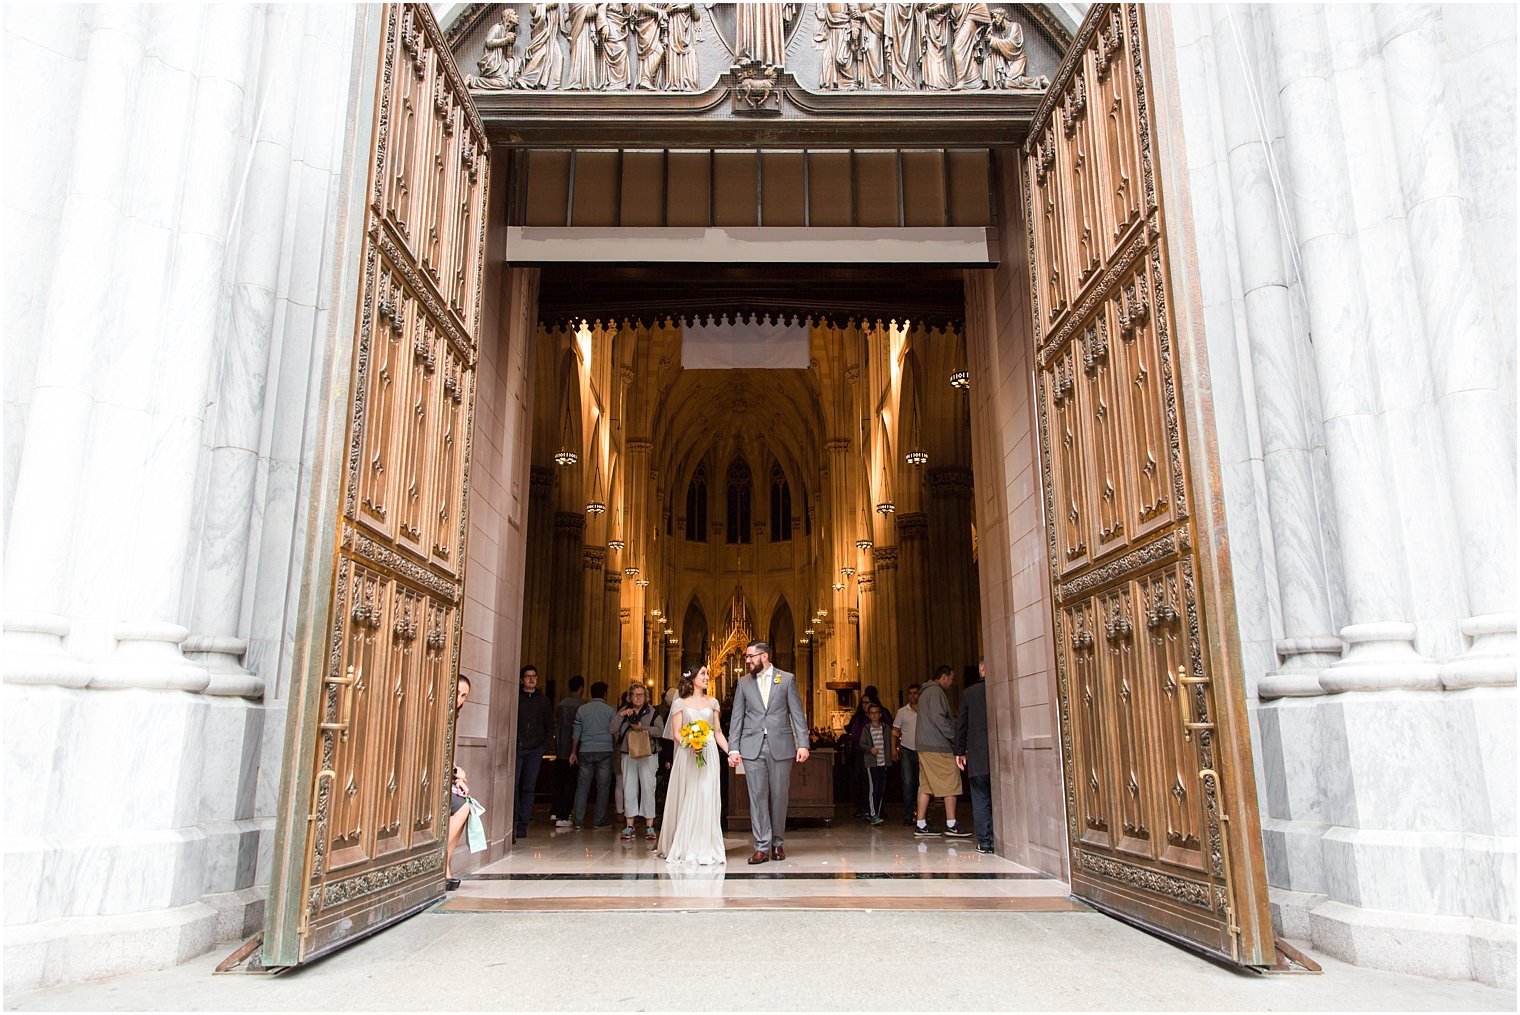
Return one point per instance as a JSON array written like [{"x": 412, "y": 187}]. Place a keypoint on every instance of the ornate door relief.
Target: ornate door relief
[
  {"x": 365, "y": 792},
  {"x": 1160, "y": 799}
]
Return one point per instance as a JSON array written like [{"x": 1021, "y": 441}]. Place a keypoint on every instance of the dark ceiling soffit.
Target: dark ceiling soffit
[
  {"x": 656, "y": 318},
  {"x": 538, "y": 119}
]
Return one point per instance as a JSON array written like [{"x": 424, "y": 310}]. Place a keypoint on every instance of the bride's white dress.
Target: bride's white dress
[{"x": 691, "y": 830}]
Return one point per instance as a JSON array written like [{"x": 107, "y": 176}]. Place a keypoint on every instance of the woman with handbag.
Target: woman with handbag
[{"x": 630, "y": 728}]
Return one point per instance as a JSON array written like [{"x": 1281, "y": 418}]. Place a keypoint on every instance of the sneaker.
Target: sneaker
[
  {"x": 956, "y": 832},
  {"x": 876, "y": 821},
  {"x": 650, "y": 833},
  {"x": 982, "y": 847},
  {"x": 926, "y": 831},
  {"x": 563, "y": 823},
  {"x": 578, "y": 827},
  {"x": 626, "y": 834}
]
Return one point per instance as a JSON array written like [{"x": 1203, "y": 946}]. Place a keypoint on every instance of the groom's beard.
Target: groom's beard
[{"x": 756, "y": 668}]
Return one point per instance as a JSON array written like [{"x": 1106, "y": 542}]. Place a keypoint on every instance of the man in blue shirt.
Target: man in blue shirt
[{"x": 591, "y": 752}]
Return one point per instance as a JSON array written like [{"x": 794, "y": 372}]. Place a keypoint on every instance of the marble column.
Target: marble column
[
  {"x": 261, "y": 235},
  {"x": 1461, "y": 338},
  {"x": 1380, "y": 636},
  {"x": 41, "y": 527},
  {"x": 567, "y": 604},
  {"x": 884, "y": 592},
  {"x": 1277, "y": 351},
  {"x": 913, "y": 648}
]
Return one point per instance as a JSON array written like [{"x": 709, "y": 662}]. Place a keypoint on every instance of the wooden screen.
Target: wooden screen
[
  {"x": 1160, "y": 800},
  {"x": 372, "y": 774}
]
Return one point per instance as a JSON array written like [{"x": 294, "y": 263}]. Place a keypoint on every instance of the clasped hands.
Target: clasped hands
[{"x": 733, "y": 757}]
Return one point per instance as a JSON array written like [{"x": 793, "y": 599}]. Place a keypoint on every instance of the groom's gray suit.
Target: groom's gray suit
[{"x": 766, "y": 729}]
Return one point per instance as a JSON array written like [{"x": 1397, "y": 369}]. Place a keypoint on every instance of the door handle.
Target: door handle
[
  {"x": 345, "y": 703},
  {"x": 1184, "y": 702}
]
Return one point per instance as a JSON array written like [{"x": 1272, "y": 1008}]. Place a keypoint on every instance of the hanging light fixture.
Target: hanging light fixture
[
  {"x": 565, "y": 456},
  {"x": 631, "y": 572},
  {"x": 839, "y": 586},
  {"x": 917, "y": 456},
  {"x": 960, "y": 379},
  {"x": 642, "y": 583},
  {"x": 595, "y": 505},
  {"x": 885, "y": 505},
  {"x": 864, "y": 542},
  {"x": 614, "y": 544},
  {"x": 847, "y": 571}
]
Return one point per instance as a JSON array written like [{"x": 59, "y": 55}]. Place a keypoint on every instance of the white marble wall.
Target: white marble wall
[
  {"x": 1350, "y": 174},
  {"x": 170, "y": 235}
]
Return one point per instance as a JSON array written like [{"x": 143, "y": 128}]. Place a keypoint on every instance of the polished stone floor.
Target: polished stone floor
[{"x": 848, "y": 865}]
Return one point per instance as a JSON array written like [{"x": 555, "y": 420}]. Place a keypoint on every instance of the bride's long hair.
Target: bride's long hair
[{"x": 688, "y": 685}]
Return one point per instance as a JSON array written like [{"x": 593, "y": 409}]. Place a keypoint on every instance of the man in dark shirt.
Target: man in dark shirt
[
  {"x": 535, "y": 720},
  {"x": 564, "y": 772},
  {"x": 974, "y": 757}
]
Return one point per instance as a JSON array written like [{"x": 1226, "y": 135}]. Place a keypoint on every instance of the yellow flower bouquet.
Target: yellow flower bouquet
[{"x": 695, "y": 735}]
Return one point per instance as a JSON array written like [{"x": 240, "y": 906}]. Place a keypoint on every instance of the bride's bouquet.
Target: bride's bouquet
[{"x": 694, "y": 735}]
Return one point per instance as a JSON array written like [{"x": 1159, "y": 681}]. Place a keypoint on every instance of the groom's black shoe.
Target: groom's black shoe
[
  {"x": 760, "y": 856},
  {"x": 778, "y": 853}
]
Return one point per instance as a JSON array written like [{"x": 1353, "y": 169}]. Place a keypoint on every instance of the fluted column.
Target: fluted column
[
  {"x": 954, "y": 600},
  {"x": 1380, "y": 635},
  {"x": 1461, "y": 339},
  {"x": 884, "y": 592},
  {"x": 567, "y": 605},
  {"x": 913, "y": 648},
  {"x": 216, "y": 640},
  {"x": 593, "y": 593},
  {"x": 538, "y": 571},
  {"x": 1277, "y": 351},
  {"x": 41, "y": 525}
]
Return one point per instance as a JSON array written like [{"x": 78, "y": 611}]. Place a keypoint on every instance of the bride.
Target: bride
[{"x": 691, "y": 831}]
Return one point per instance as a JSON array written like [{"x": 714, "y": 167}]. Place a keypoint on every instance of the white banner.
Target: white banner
[{"x": 760, "y": 343}]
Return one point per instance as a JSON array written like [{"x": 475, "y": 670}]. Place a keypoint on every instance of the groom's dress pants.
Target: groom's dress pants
[{"x": 770, "y": 784}]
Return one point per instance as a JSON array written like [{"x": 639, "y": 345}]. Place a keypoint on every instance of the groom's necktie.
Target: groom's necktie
[{"x": 763, "y": 682}]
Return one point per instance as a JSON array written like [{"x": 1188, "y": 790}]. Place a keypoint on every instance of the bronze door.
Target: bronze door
[
  {"x": 364, "y": 797},
  {"x": 1160, "y": 797}
]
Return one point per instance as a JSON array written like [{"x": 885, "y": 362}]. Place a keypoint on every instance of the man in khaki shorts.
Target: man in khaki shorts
[{"x": 938, "y": 773}]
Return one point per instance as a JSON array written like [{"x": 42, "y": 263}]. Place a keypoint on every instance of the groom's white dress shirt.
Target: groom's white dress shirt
[{"x": 764, "y": 681}]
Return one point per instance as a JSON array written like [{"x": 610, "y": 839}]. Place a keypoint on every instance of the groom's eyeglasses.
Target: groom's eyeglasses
[{"x": 752, "y": 655}]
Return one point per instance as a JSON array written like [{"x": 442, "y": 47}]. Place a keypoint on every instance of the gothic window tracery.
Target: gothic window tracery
[
  {"x": 737, "y": 488},
  {"x": 781, "y": 506},
  {"x": 696, "y": 506}
]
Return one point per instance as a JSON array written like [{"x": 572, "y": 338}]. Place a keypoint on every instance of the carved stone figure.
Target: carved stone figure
[
  {"x": 499, "y": 65},
  {"x": 545, "y": 63},
  {"x": 581, "y": 27},
  {"x": 1006, "y": 57},
  {"x": 761, "y": 32},
  {"x": 682, "y": 71},
  {"x": 968, "y": 25},
  {"x": 651, "y": 26},
  {"x": 756, "y": 90},
  {"x": 873, "y": 32},
  {"x": 612, "y": 22},
  {"x": 838, "y": 39},
  {"x": 934, "y": 30},
  {"x": 900, "y": 42}
]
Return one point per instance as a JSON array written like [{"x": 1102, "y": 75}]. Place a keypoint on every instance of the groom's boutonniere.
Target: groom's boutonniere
[{"x": 777, "y": 680}]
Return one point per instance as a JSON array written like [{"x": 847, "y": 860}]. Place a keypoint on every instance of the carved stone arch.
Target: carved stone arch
[
  {"x": 780, "y": 632},
  {"x": 696, "y": 630}
]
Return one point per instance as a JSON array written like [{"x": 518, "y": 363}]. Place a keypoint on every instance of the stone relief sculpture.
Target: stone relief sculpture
[
  {"x": 612, "y": 21},
  {"x": 581, "y": 27},
  {"x": 861, "y": 46},
  {"x": 498, "y": 66},
  {"x": 651, "y": 27},
  {"x": 1007, "y": 59},
  {"x": 761, "y": 33},
  {"x": 544, "y": 66},
  {"x": 682, "y": 72}
]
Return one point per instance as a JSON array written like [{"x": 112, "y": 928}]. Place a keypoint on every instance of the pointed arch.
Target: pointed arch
[
  {"x": 781, "y": 633},
  {"x": 696, "y": 505},
  {"x": 781, "y": 505},
  {"x": 696, "y": 632}
]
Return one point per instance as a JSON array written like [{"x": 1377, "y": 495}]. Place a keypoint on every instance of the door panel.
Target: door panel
[
  {"x": 1161, "y": 820},
  {"x": 364, "y": 804}
]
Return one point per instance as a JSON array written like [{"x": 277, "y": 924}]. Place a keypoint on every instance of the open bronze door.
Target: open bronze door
[
  {"x": 1160, "y": 798},
  {"x": 369, "y": 739}
]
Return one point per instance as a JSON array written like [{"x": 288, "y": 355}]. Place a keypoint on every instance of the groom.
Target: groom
[{"x": 768, "y": 729}]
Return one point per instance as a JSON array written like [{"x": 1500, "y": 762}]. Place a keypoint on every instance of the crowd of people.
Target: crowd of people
[{"x": 621, "y": 756}]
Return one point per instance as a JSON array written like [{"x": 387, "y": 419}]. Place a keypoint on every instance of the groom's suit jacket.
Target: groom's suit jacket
[{"x": 780, "y": 724}]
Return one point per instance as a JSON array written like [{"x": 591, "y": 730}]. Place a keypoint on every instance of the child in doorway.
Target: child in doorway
[{"x": 876, "y": 743}]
